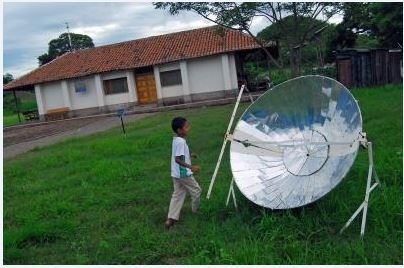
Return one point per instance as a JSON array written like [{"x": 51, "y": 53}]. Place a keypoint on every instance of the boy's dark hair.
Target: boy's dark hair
[{"x": 177, "y": 123}]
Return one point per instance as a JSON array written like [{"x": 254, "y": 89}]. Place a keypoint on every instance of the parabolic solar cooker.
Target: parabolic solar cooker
[{"x": 295, "y": 143}]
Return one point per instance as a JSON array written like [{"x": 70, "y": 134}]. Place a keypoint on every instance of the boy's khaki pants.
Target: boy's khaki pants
[{"x": 181, "y": 187}]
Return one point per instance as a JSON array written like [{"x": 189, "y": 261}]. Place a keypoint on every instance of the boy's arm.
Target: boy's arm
[{"x": 180, "y": 162}]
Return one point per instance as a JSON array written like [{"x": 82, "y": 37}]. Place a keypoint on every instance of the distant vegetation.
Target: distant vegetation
[
  {"x": 61, "y": 45},
  {"x": 25, "y": 101}
]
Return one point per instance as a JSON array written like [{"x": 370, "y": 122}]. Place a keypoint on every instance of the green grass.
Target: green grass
[
  {"x": 103, "y": 199},
  {"x": 26, "y": 101},
  {"x": 11, "y": 119}
]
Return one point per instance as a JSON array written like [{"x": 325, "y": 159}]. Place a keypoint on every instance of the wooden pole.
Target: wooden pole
[
  {"x": 123, "y": 126},
  {"x": 16, "y": 106}
]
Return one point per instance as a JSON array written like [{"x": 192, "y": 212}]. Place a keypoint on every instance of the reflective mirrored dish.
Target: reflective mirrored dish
[{"x": 296, "y": 142}]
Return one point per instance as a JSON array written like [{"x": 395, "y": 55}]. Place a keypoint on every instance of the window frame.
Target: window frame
[
  {"x": 107, "y": 86},
  {"x": 163, "y": 81}
]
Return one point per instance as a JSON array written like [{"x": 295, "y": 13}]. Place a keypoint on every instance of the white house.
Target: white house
[{"x": 160, "y": 70}]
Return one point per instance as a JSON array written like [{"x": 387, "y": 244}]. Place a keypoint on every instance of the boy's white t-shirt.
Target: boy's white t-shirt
[{"x": 179, "y": 148}]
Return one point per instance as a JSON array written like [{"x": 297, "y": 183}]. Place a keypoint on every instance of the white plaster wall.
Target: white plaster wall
[
  {"x": 112, "y": 99},
  {"x": 52, "y": 95},
  {"x": 116, "y": 98},
  {"x": 169, "y": 67},
  {"x": 83, "y": 100},
  {"x": 113, "y": 75},
  {"x": 205, "y": 74},
  {"x": 172, "y": 91}
]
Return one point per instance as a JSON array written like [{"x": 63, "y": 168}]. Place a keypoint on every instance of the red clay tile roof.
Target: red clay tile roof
[{"x": 138, "y": 53}]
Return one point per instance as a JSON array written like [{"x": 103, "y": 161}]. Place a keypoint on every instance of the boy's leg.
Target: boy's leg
[
  {"x": 194, "y": 190},
  {"x": 177, "y": 200}
]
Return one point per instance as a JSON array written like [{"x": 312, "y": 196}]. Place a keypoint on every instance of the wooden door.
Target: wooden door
[
  {"x": 344, "y": 72},
  {"x": 146, "y": 88}
]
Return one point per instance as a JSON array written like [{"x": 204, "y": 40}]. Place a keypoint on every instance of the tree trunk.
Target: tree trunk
[
  {"x": 299, "y": 60},
  {"x": 280, "y": 53},
  {"x": 293, "y": 62}
]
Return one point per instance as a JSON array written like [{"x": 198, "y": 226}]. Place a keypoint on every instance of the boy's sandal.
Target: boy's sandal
[{"x": 169, "y": 223}]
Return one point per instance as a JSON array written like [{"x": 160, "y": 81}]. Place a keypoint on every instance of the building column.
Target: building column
[
  {"x": 99, "y": 91},
  {"x": 226, "y": 72},
  {"x": 233, "y": 72},
  {"x": 66, "y": 95},
  {"x": 158, "y": 85},
  {"x": 40, "y": 101},
  {"x": 185, "y": 81},
  {"x": 131, "y": 86}
]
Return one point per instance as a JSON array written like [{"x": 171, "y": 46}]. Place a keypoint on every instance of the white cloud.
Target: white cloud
[
  {"x": 258, "y": 24},
  {"x": 96, "y": 32},
  {"x": 21, "y": 68},
  {"x": 176, "y": 26}
]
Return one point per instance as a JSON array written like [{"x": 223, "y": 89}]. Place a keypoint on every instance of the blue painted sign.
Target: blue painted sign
[
  {"x": 120, "y": 112},
  {"x": 80, "y": 87}
]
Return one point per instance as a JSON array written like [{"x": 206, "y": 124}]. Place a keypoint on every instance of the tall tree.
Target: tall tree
[
  {"x": 377, "y": 24},
  {"x": 240, "y": 15},
  {"x": 7, "y": 78},
  {"x": 61, "y": 45},
  {"x": 315, "y": 48},
  {"x": 386, "y": 23}
]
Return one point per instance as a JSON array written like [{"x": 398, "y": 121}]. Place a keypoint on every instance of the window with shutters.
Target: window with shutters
[
  {"x": 115, "y": 86},
  {"x": 170, "y": 78}
]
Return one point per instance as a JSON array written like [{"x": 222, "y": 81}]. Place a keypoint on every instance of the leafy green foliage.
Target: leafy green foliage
[
  {"x": 379, "y": 22},
  {"x": 366, "y": 41},
  {"x": 60, "y": 45},
  {"x": 9, "y": 103},
  {"x": 7, "y": 78},
  {"x": 11, "y": 119},
  {"x": 103, "y": 199},
  {"x": 286, "y": 33},
  {"x": 25, "y": 101},
  {"x": 386, "y": 22}
]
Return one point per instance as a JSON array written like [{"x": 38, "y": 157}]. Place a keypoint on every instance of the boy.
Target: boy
[{"x": 181, "y": 172}]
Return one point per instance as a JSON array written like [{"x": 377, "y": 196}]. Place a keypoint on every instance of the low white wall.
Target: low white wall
[
  {"x": 205, "y": 75},
  {"x": 84, "y": 100},
  {"x": 52, "y": 96},
  {"x": 172, "y": 91},
  {"x": 116, "y": 98}
]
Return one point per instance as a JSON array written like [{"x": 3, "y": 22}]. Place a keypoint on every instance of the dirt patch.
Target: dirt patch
[
  {"x": 29, "y": 133},
  {"x": 23, "y": 139}
]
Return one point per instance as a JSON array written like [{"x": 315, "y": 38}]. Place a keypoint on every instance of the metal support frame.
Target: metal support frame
[
  {"x": 231, "y": 192},
  {"x": 369, "y": 188}
]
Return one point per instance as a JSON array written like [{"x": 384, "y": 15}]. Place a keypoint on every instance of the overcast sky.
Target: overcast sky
[{"x": 28, "y": 27}]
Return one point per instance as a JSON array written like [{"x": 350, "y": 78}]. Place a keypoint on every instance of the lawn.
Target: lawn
[
  {"x": 11, "y": 119},
  {"x": 103, "y": 199},
  {"x": 26, "y": 102}
]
